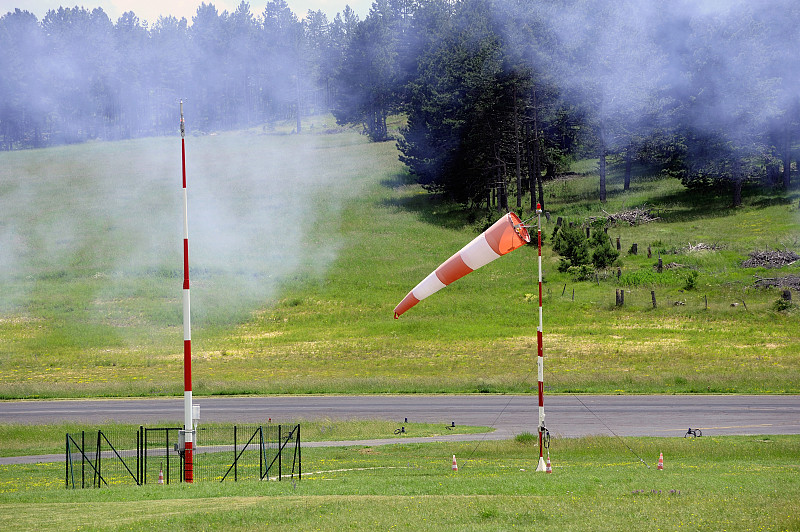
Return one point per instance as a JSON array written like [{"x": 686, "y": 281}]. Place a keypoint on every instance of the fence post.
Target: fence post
[
  {"x": 144, "y": 465},
  {"x": 235, "y": 459},
  {"x": 97, "y": 461},
  {"x": 83, "y": 458},
  {"x": 166, "y": 439},
  {"x": 299, "y": 456},
  {"x": 261, "y": 459},
  {"x": 66, "y": 464},
  {"x": 280, "y": 452},
  {"x": 653, "y": 295},
  {"x": 141, "y": 452}
]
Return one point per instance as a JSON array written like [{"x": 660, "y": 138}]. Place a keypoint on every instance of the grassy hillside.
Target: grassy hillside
[{"x": 301, "y": 246}]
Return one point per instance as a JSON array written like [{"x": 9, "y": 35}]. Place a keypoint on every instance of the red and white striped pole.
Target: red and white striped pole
[
  {"x": 540, "y": 357},
  {"x": 187, "y": 326}
]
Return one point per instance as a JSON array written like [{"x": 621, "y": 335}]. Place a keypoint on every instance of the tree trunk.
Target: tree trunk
[
  {"x": 529, "y": 163},
  {"x": 602, "y": 172},
  {"x": 602, "y": 164},
  {"x": 537, "y": 161},
  {"x": 737, "y": 191},
  {"x": 297, "y": 93},
  {"x": 787, "y": 160},
  {"x": 516, "y": 150},
  {"x": 628, "y": 165}
]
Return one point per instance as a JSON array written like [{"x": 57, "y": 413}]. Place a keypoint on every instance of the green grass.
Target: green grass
[
  {"x": 301, "y": 246},
  {"x": 708, "y": 483}
]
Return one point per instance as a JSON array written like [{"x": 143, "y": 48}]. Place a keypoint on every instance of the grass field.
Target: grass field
[
  {"x": 708, "y": 483},
  {"x": 301, "y": 246}
]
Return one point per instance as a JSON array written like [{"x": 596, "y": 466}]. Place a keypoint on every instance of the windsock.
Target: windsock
[{"x": 504, "y": 236}]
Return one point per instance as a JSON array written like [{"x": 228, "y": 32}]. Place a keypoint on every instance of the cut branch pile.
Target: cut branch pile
[
  {"x": 639, "y": 215},
  {"x": 700, "y": 246},
  {"x": 788, "y": 281},
  {"x": 770, "y": 259}
]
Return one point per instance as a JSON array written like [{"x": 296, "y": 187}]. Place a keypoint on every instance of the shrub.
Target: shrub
[
  {"x": 783, "y": 305},
  {"x": 526, "y": 438},
  {"x": 604, "y": 253},
  {"x": 584, "y": 272},
  {"x": 691, "y": 280},
  {"x": 570, "y": 243}
]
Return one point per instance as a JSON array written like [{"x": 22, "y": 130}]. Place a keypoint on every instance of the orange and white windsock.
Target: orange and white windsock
[{"x": 504, "y": 236}]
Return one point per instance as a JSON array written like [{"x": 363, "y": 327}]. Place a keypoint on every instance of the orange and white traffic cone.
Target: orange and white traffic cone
[
  {"x": 161, "y": 476},
  {"x": 455, "y": 465},
  {"x": 660, "y": 460},
  {"x": 549, "y": 468}
]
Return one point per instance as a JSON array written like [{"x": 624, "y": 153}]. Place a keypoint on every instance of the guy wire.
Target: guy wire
[
  {"x": 524, "y": 379},
  {"x": 611, "y": 431}
]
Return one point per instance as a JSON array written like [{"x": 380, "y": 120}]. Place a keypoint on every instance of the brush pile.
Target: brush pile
[
  {"x": 638, "y": 215},
  {"x": 700, "y": 246},
  {"x": 787, "y": 282},
  {"x": 770, "y": 259}
]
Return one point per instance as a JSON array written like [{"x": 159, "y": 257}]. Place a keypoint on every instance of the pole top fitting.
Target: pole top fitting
[
  {"x": 183, "y": 126},
  {"x": 539, "y": 208}
]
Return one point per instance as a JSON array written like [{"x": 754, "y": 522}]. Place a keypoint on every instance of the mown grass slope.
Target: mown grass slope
[{"x": 300, "y": 248}]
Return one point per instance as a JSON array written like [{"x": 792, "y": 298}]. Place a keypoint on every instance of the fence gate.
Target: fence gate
[
  {"x": 157, "y": 455},
  {"x": 102, "y": 458},
  {"x": 258, "y": 452}
]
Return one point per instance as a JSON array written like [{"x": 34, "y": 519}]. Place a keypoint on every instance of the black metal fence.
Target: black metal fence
[{"x": 151, "y": 455}]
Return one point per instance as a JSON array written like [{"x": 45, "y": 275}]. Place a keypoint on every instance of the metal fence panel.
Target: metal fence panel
[{"x": 150, "y": 455}]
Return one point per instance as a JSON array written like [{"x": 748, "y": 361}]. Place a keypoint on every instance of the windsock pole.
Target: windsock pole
[
  {"x": 540, "y": 357},
  {"x": 187, "y": 327}
]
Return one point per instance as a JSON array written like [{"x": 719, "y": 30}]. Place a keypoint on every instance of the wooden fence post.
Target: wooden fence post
[{"x": 653, "y": 295}]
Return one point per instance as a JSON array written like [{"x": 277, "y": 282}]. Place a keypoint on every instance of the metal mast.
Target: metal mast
[
  {"x": 543, "y": 434},
  {"x": 187, "y": 326}
]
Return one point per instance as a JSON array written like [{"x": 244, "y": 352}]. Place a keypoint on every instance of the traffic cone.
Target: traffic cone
[
  {"x": 549, "y": 468},
  {"x": 455, "y": 465},
  {"x": 161, "y": 476},
  {"x": 660, "y": 460}
]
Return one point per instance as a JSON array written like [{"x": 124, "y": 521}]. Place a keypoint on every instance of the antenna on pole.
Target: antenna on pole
[{"x": 188, "y": 431}]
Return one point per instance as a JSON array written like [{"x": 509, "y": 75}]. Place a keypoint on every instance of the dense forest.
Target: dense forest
[{"x": 498, "y": 94}]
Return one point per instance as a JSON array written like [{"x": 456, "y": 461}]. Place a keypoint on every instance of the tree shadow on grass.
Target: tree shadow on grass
[
  {"x": 692, "y": 204},
  {"x": 429, "y": 207}
]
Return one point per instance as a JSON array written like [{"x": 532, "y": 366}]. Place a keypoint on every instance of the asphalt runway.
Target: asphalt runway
[{"x": 566, "y": 415}]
